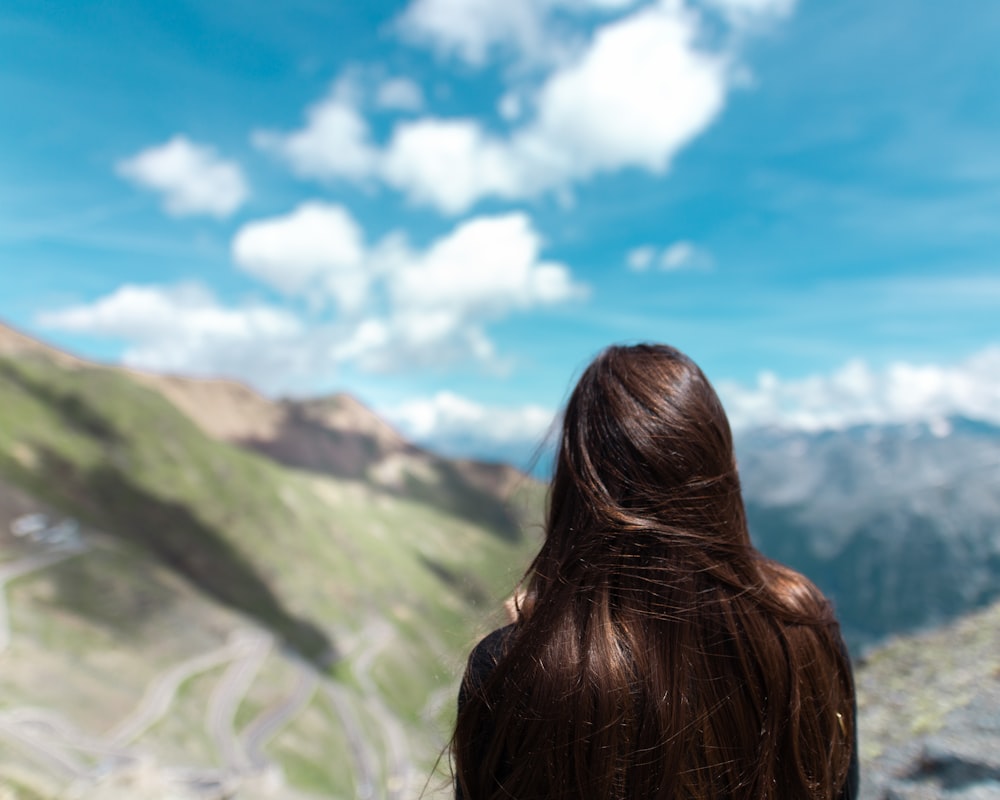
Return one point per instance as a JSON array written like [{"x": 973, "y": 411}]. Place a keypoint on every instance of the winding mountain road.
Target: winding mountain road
[
  {"x": 52, "y": 740},
  {"x": 25, "y": 566},
  {"x": 36, "y": 742},
  {"x": 229, "y": 692},
  {"x": 256, "y": 735},
  {"x": 365, "y": 756},
  {"x": 399, "y": 768},
  {"x": 160, "y": 694}
]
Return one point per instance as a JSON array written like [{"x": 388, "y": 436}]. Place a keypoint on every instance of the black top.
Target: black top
[{"x": 484, "y": 658}]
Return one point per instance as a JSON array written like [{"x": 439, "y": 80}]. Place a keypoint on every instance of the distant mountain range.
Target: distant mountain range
[{"x": 899, "y": 524}]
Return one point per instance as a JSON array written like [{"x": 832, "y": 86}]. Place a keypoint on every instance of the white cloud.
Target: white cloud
[
  {"x": 192, "y": 178},
  {"x": 409, "y": 306},
  {"x": 486, "y": 266},
  {"x": 641, "y": 91},
  {"x": 474, "y": 30},
  {"x": 677, "y": 256},
  {"x": 742, "y": 13},
  {"x": 335, "y": 142},
  {"x": 470, "y": 29},
  {"x": 454, "y": 424},
  {"x": 439, "y": 300},
  {"x": 316, "y": 250},
  {"x": 511, "y": 106},
  {"x": 397, "y": 307},
  {"x": 632, "y": 96},
  {"x": 639, "y": 259},
  {"x": 399, "y": 94},
  {"x": 185, "y": 329},
  {"x": 450, "y": 164},
  {"x": 857, "y": 394}
]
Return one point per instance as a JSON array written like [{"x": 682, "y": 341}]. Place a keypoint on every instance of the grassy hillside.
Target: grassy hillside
[{"x": 190, "y": 541}]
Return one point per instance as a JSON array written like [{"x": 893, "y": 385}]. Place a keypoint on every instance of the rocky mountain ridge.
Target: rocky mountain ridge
[{"x": 335, "y": 435}]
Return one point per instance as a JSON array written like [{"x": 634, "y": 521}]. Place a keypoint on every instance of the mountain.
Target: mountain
[
  {"x": 339, "y": 437},
  {"x": 207, "y": 593},
  {"x": 900, "y": 525},
  {"x": 203, "y": 591}
]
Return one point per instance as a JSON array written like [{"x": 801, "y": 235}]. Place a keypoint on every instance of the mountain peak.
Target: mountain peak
[{"x": 344, "y": 412}]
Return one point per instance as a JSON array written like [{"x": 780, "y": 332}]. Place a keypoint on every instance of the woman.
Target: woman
[{"x": 657, "y": 654}]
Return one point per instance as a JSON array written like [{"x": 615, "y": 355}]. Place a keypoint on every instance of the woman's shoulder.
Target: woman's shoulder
[{"x": 487, "y": 653}]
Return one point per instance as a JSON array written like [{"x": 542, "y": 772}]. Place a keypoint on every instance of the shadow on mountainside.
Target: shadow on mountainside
[
  {"x": 105, "y": 494},
  {"x": 70, "y": 406},
  {"x": 463, "y": 584},
  {"x": 303, "y": 443},
  {"x": 184, "y": 543}
]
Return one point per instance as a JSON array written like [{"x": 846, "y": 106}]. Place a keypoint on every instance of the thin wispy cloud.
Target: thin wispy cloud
[
  {"x": 399, "y": 94},
  {"x": 680, "y": 255},
  {"x": 752, "y": 12}
]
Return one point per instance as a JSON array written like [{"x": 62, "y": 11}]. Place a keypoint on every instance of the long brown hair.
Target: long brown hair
[{"x": 663, "y": 656}]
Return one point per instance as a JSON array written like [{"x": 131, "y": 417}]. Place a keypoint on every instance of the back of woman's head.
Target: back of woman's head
[
  {"x": 663, "y": 656},
  {"x": 646, "y": 447}
]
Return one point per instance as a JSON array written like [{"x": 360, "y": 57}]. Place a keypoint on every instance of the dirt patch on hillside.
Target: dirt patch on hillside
[
  {"x": 13, "y": 343},
  {"x": 223, "y": 409}
]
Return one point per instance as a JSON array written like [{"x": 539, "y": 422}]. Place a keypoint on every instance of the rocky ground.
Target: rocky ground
[{"x": 929, "y": 714}]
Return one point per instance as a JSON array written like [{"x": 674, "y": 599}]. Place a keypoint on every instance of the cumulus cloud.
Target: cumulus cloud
[
  {"x": 473, "y": 30},
  {"x": 185, "y": 329},
  {"x": 484, "y": 267},
  {"x": 680, "y": 255},
  {"x": 317, "y": 250},
  {"x": 439, "y": 300},
  {"x": 470, "y": 29},
  {"x": 385, "y": 307},
  {"x": 857, "y": 394},
  {"x": 192, "y": 178},
  {"x": 454, "y": 424},
  {"x": 634, "y": 94},
  {"x": 640, "y": 91},
  {"x": 450, "y": 164},
  {"x": 335, "y": 142}
]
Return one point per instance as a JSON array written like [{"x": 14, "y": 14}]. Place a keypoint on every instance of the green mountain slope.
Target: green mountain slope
[{"x": 224, "y": 619}]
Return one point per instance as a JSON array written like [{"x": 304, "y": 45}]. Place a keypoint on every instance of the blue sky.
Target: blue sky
[{"x": 447, "y": 207}]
